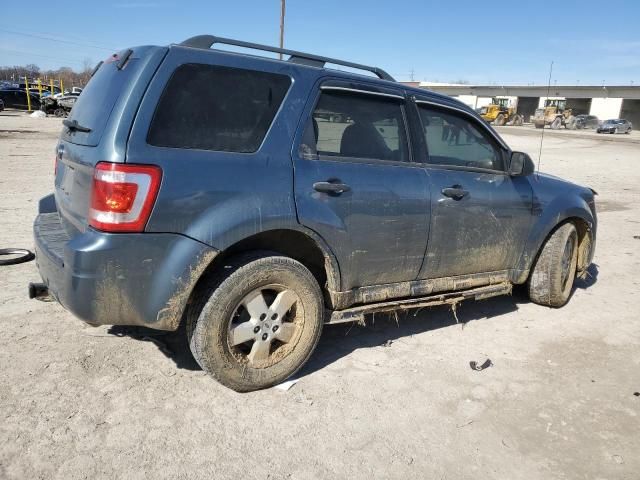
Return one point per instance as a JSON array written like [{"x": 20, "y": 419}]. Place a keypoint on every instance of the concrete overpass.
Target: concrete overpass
[{"x": 604, "y": 101}]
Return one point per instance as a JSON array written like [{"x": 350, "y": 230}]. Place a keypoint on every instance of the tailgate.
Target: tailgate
[{"x": 104, "y": 111}]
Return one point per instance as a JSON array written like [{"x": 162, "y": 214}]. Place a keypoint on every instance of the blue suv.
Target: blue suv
[{"x": 256, "y": 199}]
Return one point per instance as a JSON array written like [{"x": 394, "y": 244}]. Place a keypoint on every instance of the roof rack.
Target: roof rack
[{"x": 207, "y": 41}]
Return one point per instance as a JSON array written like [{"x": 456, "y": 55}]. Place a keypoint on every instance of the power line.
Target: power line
[
  {"x": 18, "y": 52},
  {"x": 67, "y": 36},
  {"x": 50, "y": 39}
]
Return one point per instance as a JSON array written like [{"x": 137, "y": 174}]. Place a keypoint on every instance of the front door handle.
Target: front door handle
[
  {"x": 331, "y": 187},
  {"x": 456, "y": 192}
]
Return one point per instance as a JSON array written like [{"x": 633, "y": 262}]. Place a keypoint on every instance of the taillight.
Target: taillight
[{"x": 122, "y": 196}]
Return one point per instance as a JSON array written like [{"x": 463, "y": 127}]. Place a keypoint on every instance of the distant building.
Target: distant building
[{"x": 605, "y": 101}]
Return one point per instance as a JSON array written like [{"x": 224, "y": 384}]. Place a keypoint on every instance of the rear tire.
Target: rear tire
[
  {"x": 552, "y": 277},
  {"x": 571, "y": 123},
  {"x": 259, "y": 322}
]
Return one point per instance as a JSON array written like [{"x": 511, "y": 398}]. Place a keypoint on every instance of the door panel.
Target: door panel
[
  {"x": 484, "y": 231},
  {"x": 378, "y": 229},
  {"x": 376, "y": 222},
  {"x": 480, "y": 216}
]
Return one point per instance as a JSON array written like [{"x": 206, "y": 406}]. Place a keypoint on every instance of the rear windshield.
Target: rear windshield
[
  {"x": 217, "y": 108},
  {"x": 94, "y": 105}
]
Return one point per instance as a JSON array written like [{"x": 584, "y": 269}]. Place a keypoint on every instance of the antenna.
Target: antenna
[
  {"x": 542, "y": 134},
  {"x": 282, "y": 13}
]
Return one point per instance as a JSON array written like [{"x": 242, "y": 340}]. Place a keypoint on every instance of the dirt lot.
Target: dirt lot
[{"x": 384, "y": 401}]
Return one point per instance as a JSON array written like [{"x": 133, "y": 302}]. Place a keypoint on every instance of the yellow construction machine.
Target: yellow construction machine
[
  {"x": 500, "y": 113},
  {"x": 555, "y": 114}
]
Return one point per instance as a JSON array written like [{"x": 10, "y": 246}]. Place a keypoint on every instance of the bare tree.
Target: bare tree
[{"x": 69, "y": 77}]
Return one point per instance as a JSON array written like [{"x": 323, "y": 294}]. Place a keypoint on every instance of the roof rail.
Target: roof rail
[{"x": 207, "y": 41}]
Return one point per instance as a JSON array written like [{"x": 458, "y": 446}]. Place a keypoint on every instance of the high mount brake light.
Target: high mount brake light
[{"x": 122, "y": 196}]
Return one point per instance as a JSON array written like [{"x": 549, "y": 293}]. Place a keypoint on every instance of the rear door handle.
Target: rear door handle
[
  {"x": 456, "y": 192},
  {"x": 331, "y": 187}
]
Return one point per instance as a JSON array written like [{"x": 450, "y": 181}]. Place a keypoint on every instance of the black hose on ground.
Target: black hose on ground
[{"x": 24, "y": 255}]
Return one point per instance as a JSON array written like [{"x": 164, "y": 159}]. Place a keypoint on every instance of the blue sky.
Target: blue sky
[{"x": 475, "y": 41}]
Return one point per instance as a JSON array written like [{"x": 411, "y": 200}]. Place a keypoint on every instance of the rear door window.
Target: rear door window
[
  {"x": 354, "y": 125},
  {"x": 211, "y": 107}
]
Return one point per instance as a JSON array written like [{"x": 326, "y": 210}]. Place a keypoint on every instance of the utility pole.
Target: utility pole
[{"x": 282, "y": 12}]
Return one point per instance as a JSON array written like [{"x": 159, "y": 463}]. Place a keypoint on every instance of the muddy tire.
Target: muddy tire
[
  {"x": 556, "y": 124},
  {"x": 552, "y": 277},
  {"x": 571, "y": 123},
  {"x": 518, "y": 120},
  {"x": 258, "y": 323},
  {"x": 500, "y": 120}
]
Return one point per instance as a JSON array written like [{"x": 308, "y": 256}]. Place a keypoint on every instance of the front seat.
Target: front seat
[{"x": 362, "y": 140}]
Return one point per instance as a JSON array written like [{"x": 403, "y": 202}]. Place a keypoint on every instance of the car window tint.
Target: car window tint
[
  {"x": 453, "y": 140},
  {"x": 357, "y": 126},
  {"x": 217, "y": 108}
]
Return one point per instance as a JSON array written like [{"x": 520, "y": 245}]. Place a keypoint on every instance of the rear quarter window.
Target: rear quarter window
[{"x": 210, "y": 107}]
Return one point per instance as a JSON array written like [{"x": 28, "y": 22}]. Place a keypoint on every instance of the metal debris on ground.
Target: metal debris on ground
[
  {"x": 474, "y": 365},
  {"x": 464, "y": 424}
]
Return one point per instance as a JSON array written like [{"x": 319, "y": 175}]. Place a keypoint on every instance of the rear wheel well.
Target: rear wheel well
[{"x": 289, "y": 243}]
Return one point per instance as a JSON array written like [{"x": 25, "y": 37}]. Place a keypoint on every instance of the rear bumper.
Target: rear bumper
[{"x": 119, "y": 279}]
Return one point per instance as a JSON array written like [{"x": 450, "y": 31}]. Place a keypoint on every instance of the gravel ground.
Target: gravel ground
[{"x": 389, "y": 400}]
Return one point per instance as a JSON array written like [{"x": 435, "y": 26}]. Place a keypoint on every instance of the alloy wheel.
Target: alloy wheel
[{"x": 265, "y": 326}]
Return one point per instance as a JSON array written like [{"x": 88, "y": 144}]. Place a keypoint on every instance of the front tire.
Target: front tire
[
  {"x": 260, "y": 322},
  {"x": 500, "y": 120},
  {"x": 555, "y": 269}
]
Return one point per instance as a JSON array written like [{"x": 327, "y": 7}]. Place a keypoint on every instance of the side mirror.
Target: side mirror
[{"x": 521, "y": 165}]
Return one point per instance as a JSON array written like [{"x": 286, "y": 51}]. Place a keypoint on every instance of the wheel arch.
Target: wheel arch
[
  {"x": 301, "y": 244},
  {"x": 584, "y": 222}
]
